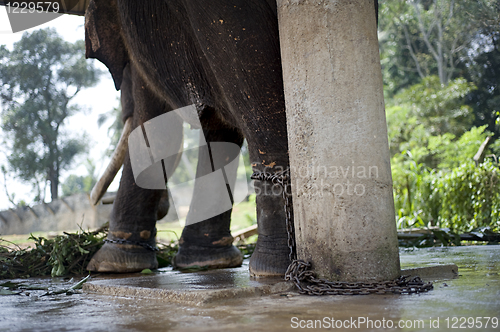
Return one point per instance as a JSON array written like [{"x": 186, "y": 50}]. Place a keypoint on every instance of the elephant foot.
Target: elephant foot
[
  {"x": 207, "y": 257},
  {"x": 122, "y": 258},
  {"x": 270, "y": 257}
]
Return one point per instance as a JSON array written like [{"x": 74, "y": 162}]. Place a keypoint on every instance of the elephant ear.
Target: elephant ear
[{"x": 103, "y": 38}]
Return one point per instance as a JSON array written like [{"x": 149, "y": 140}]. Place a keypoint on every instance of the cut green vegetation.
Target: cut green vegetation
[
  {"x": 69, "y": 253},
  {"x": 62, "y": 255}
]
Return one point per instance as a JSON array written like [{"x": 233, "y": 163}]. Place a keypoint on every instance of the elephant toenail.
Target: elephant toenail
[
  {"x": 225, "y": 241},
  {"x": 121, "y": 235},
  {"x": 145, "y": 235}
]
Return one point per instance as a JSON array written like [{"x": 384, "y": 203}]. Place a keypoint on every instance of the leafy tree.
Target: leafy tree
[
  {"x": 456, "y": 193},
  {"x": 485, "y": 73},
  {"x": 39, "y": 78},
  {"x": 75, "y": 184},
  {"x": 441, "y": 108},
  {"x": 419, "y": 38},
  {"x": 441, "y": 69},
  {"x": 448, "y": 39},
  {"x": 428, "y": 111},
  {"x": 398, "y": 66},
  {"x": 431, "y": 149}
]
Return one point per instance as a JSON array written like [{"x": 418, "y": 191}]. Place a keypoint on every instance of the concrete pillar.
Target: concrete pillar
[{"x": 339, "y": 153}]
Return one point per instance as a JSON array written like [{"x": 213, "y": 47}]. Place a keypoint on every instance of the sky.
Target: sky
[{"x": 97, "y": 100}]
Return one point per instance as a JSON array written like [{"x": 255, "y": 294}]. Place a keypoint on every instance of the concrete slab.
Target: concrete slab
[
  {"x": 434, "y": 272},
  {"x": 193, "y": 288},
  {"x": 198, "y": 288}
]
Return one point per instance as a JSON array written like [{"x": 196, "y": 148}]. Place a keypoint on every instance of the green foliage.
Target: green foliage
[
  {"x": 414, "y": 197},
  {"x": 65, "y": 254},
  {"x": 448, "y": 39},
  {"x": 433, "y": 143},
  {"x": 451, "y": 154},
  {"x": 166, "y": 253},
  {"x": 439, "y": 108},
  {"x": 425, "y": 120},
  {"x": 38, "y": 79},
  {"x": 398, "y": 67},
  {"x": 80, "y": 184},
  {"x": 420, "y": 38},
  {"x": 461, "y": 200},
  {"x": 470, "y": 197},
  {"x": 440, "y": 63}
]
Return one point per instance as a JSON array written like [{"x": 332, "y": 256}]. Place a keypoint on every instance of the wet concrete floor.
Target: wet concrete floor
[{"x": 469, "y": 302}]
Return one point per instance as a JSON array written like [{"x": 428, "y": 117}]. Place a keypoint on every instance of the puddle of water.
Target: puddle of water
[{"x": 476, "y": 293}]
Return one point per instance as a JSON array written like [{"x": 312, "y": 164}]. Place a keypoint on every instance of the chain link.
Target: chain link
[
  {"x": 135, "y": 243},
  {"x": 304, "y": 278}
]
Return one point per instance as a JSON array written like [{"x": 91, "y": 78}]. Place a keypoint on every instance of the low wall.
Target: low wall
[{"x": 66, "y": 213}]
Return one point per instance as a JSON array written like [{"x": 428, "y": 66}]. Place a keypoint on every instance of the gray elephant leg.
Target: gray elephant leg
[
  {"x": 208, "y": 241},
  {"x": 132, "y": 222},
  {"x": 271, "y": 252}
]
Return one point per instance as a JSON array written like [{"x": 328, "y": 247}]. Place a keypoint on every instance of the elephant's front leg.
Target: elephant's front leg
[
  {"x": 206, "y": 239},
  {"x": 132, "y": 231},
  {"x": 271, "y": 255}
]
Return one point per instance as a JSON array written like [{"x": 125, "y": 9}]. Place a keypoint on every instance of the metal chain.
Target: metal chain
[
  {"x": 136, "y": 243},
  {"x": 304, "y": 277},
  {"x": 282, "y": 179}
]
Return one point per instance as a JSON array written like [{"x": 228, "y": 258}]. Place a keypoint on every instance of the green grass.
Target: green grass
[{"x": 244, "y": 215}]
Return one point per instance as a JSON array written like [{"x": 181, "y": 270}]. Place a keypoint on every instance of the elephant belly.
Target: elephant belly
[
  {"x": 205, "y": 52},
  {"x": 163, "y": 48}
]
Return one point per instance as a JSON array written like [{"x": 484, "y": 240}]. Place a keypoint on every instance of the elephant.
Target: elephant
[{"x": 223, "y": 57}]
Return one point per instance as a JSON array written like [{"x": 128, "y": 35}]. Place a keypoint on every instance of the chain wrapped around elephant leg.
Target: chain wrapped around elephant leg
[{"x": 304, "y": 278}]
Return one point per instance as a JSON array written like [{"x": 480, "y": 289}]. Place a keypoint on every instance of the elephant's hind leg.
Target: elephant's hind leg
[
  {"x": 248, "y": 70},
  {"x": 208, "y": 242}
]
